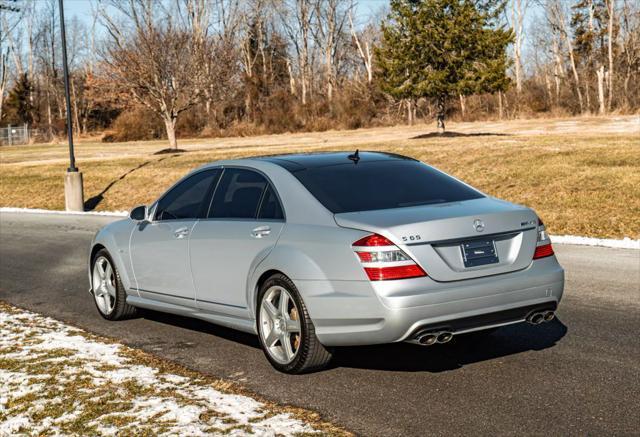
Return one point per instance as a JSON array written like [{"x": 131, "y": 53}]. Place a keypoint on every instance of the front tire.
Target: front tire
[
  {"x": 287, "y": 334},
  {"x": 108, "y": 291}
]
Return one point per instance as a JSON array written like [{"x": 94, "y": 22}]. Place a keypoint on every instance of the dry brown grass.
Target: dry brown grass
[{"x": 581, "y": 183}]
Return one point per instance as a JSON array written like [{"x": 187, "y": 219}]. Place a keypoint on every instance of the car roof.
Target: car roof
[{"x": 302, "y": 161}]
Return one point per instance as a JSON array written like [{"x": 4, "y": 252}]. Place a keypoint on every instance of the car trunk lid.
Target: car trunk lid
[{"x": 458, "y": 240}]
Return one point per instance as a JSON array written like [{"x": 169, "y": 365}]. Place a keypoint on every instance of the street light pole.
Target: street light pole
[
  {"x": 73, "y": 190},
  {"x": 72, "y": 158}
]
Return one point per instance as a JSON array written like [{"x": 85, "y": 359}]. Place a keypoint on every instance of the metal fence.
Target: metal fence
[{"x": 11, "y": 135}]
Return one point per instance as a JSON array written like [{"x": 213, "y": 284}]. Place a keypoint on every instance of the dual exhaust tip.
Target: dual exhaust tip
[
  {"x": 430, "y": 338},
  {"x": 541, "y": 317}
]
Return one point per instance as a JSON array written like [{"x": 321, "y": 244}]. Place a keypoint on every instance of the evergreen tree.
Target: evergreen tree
[
  {"x": 18, "y": 104},
  {"x": 443, "y": 48}
]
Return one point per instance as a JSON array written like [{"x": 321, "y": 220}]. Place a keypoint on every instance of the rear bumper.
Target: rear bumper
[{"x": 360, "y": 312}]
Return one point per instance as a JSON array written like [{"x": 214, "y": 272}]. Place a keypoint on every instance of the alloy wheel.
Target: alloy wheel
[
  {"x": 104, "y": 285},
  {"x": 280, "y": 324}
]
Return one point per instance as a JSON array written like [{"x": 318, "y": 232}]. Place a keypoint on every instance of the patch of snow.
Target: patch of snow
[
  {"x": 625, "y": 243},
  {"x": 13, "y": 424},
  {"x": 167, "y": 403},
  {"x": 52, "y": 211}
]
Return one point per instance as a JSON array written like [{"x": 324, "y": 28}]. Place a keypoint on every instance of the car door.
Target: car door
[
  {"x": 242, "y": 225},
  {"x": 160, "y": 247}
]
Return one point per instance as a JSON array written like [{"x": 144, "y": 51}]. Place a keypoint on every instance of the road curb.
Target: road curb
[{"x": 625, "y": 243}]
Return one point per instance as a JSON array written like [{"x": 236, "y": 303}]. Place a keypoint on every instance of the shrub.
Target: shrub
[{"x": 134, "y": 125}]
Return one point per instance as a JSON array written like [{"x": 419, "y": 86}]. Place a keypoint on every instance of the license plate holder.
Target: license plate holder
[{"x": 479, "y": 252}]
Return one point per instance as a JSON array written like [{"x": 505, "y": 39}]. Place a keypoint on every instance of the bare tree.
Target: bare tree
[
  {"x": 164, "y": 65},
  {"x": 558, "y": 20},
  {"x": 630, "y": 47},
  {"x": 4, "y": 59},
  {"x": 611, "y": 14},
  {"x": 296, "y": 17},
  {"x": 518, "y": 13},
  {"x": 10, "y": 17},
  {"x": 365, "y": 49},
  {"x": 331, "y": 16}
]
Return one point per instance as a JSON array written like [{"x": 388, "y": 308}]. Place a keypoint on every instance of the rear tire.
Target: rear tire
[
  {"x": 286, "y": 332},
  {"x": 108, "y": 292}
]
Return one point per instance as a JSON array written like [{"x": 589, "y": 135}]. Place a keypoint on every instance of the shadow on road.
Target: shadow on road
[
  {"x": 405, "y": 357},
  {"x": 462, "y": 350},
  {"x": 458, "y": 134},
  {"x": 202, "y": 326}
]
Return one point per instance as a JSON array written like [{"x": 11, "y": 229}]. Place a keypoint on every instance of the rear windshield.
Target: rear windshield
[{"x": 381, "y": 185}]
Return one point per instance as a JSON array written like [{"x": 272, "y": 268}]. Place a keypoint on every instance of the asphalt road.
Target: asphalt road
[{"x": 578, "y": 375}]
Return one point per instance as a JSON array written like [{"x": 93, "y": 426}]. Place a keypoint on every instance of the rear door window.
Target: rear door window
[
  {"x": 270, "y": 208},
  {"x": 382, "y": 185},
  {"x": 238, "y": 194}
]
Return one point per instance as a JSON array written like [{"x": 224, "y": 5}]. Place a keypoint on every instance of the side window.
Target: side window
[
  {"x": 238, "y": 194},
  {"x": 185, "y": 200},
  {"x": 270, "y": 207}
]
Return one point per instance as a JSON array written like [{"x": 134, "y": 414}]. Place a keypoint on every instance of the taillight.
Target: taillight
[
  {"x": 543, "y": 248},
  {"x": 543, "y": 251},
  {"x": 382, "y": 260}
]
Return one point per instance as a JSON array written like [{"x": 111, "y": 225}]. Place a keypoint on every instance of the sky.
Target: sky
[
  {"x": 366, "y": 9},
  {"x": 82, "y": 9}
]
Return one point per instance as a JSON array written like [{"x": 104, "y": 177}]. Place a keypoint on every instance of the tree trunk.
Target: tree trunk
[
  {"x": 441, "y": 113},
  {"x": 500, "y": 108},
  {"x": 3, "y": 78},
  {"x": 558, "y": 69},
  {"x": 463, "y": 105},
  {"x": 518, "y": 11},
  {"x": 600, "y": 73},
  {"x": 610, "y": 10},
  {"x": 410, "y": 112},
  {"x": 49, "y": 113},
  {"x": 610, "y": 5},
  {"x": 304, "y": 22},
  {"x": 76, "y": 118},
  {"x": 170, "y": 125},
  {"x": 292, "y": 79},
  {"x": 587, "y": 94},
  {"x": 576, "y": 78},
  {"x": 547, "y": 82}
]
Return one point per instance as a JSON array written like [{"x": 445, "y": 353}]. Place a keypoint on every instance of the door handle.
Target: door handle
[
  {"x": 181, "y": 233},
  {"x": 261, "y": 231}
]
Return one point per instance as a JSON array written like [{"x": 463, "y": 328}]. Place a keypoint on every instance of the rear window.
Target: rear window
[{"x": 381, "y": 185}]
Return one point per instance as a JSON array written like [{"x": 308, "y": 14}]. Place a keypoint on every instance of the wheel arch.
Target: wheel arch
[
  {"x": 94, "y": 250},
  {"x": 299, "y": 265},
  {"x": 259, "y": 282},
  {"x": 117, "y": 245}
]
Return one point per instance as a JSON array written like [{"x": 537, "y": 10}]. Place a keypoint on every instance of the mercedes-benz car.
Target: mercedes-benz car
[{"x": 315, "y": 251}]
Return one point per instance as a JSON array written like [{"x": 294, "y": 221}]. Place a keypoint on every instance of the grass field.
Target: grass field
[{"x": 581, "y": 175}]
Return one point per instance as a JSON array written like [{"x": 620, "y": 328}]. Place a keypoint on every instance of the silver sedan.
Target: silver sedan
[{"x": 313, "y": 251}]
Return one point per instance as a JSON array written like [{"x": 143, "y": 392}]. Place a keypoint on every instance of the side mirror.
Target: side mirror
[{"x": 139, "y": 213}]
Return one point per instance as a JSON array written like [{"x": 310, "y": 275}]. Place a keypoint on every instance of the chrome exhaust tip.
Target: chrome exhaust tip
[
  {"x": 535, "y": 318},
  {"x": 427, "y": 339},
  {"x": 549, "y": 316},
  {"x": 444, "y": 337}
]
